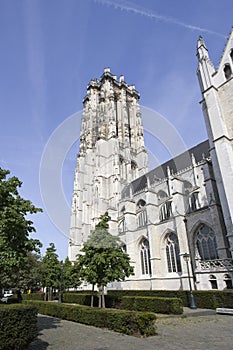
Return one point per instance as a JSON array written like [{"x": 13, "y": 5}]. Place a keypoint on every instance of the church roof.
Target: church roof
[{"x": 175, "y": 165}]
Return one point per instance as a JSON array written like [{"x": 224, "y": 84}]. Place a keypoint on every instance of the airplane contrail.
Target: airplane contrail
[{"x": 129, "y": 7}]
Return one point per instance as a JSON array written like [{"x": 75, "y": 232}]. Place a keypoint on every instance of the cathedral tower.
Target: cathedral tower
[
  {"x": 111, "y": 155},
  {"x": 217, "y": 104}
]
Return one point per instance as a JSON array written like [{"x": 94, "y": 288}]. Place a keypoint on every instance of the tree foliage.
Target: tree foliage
[
  {"x": 15, "y": 228},
  {"x": 102, "y": 260},
  {"x": 26, "y": 275},
  {"x": 50, "y": 270},
  {"x": 70, "y": 277}
]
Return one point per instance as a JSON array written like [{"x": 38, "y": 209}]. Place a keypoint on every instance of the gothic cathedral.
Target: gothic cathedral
[{"x": 182, "y": 208}]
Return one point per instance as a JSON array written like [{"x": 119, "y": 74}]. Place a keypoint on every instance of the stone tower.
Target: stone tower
[
  {"x": 217, "y": 104},
  {"x": 111, "y": 155}
]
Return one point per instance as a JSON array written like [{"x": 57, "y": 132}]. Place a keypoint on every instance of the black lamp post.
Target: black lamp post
[
  {"x": 60, "y": 286},
  {"x": 186, "y": 257}
]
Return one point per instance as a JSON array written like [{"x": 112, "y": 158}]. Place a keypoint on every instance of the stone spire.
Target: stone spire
[{"x": 206, "y": 68}]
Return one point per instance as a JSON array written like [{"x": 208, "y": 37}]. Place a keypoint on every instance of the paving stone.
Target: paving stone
[{"x": 209, "y": 331}]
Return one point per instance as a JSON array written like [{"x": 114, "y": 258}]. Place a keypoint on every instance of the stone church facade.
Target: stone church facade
[{"x": 184, "y": 206}]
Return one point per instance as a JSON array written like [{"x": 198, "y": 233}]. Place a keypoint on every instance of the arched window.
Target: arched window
[
  {"x": 173, "y": 253},
  {"x": 122, "y": 167},
  {"x": 165, "y": 211},
  {"x": 228, "y": 281},
  {"x": 162, "y": 196},
  {"x": 124, "y": 248},
  {"x": 134, "y": 170},
  {"x": 227, "y": 71},
  {"x": 231, "y": 54},
  {"x": 122, "y": 226},
  {"x": 187, "y": 187},
  {"x": 193, "y": 201},
  {"x": 206, "y": 243},
  {"x": 141, "y": 213},
  {"x": 145, "y": 257},
  {"x": 213, "y": 282}
]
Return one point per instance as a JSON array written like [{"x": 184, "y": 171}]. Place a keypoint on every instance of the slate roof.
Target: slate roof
[{"x": 182, "y": 161}]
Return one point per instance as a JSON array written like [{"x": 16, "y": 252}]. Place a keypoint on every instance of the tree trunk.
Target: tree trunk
[
  {"x": 92, "y": 296},
  {"x": 99, "y": 295},
  {"x": 19, "y": 296},
  {"x": 50, "y": 298},
  {"x": 103, "y": 297}
]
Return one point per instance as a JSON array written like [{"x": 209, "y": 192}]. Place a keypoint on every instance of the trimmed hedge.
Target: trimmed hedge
[
  {"x": 205, "y": 299},
  {"x": 81, "y": 299},
  {"x": 213, "y": 299},
  {"x": 33, "y": 296},
  {"x": 123, "y": 321},
  {"x": 18, "y": 326},
  {"x": 181, "y": 294},
  {"x": 153, "y": 304}
]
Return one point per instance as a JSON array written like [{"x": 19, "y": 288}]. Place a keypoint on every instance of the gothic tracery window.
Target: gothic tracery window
[
  {"x": 206, "y": 243},
  {"x": 165, "y": 212},
  {"x": 122, "y": 226},
  {"x": 134, "y": 170},
  {"x": 193, "y": 201},
  {"x": 173, "y": 253},
  {"x": 141, "y": 213},
  {"x": 145, "y": 257}
]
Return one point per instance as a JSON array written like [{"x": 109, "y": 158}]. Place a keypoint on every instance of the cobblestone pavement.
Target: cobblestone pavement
[{"x": 174, "y": 333}]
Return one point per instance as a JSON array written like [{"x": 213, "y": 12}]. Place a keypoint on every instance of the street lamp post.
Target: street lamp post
[{"x": 186, "y": 257}]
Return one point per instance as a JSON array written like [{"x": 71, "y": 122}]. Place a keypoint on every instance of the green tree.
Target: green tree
[
  {"x": 70, "y": 277},
  {"x": 51, "y": 271},
  {"x": 15, "y": 229},
  {"x": 102, "y": 260},
  {"x": 26, "y": 275}
]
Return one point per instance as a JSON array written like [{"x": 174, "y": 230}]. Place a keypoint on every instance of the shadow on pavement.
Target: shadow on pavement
[{"x": 43, "y": 323}]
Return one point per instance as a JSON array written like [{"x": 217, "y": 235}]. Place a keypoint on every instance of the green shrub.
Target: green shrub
[
  {"x": 33, "y": 296},
  {"x": 18, "y": 326},
  {"x": 81, "y": 299},
  {"x": 123, "y": 321},
  {"x": 205, "y": 299},
  {"x": 153, "y": 304},
  {"x": 85, "y": 299},
  {"x": 213, "y": 298},
  {"x": 112, "y": 301},
  {"x": 181, "y": 294},
  {"x": 82, "y": 292}
]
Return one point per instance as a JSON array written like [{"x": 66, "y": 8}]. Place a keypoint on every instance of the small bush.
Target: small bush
[
  {"x": 81, "y": 299},
  {"x": 123, "y": 321},
  {"x": 153, "y": 304},
  {"x": 33, "y": 296},
  {"x": 18, "y": 326}
]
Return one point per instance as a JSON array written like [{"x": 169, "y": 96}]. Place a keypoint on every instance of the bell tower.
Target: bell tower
[
  {"x": 111, "y": 154},
  {"x": 217, "y": 105}
]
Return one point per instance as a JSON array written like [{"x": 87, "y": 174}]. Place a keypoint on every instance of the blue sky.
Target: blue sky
[{"x": 51, "y": 49}]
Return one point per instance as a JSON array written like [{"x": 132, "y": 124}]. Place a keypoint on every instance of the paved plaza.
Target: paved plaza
[{"x": 201, "y": 330}]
